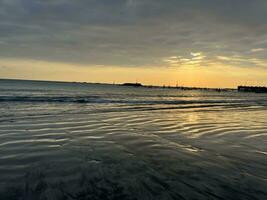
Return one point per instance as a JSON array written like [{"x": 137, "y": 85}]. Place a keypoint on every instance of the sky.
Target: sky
[{"x": 206, "y": 43}]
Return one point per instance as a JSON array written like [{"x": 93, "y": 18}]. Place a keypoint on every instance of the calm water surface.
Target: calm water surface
[{"x": 91, "y": 141}]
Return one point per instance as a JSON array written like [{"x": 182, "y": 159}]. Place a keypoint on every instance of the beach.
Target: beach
[{"x": 98, "y": 141}]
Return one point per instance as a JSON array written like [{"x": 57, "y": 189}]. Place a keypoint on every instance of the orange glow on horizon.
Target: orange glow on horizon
[{"x": 211, "y": 76}]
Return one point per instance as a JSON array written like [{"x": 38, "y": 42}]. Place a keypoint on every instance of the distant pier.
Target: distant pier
[{"x": 255, "y": 89}]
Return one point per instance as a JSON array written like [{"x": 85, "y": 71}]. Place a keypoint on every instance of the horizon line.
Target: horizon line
[{"x": 108, "y": 83}]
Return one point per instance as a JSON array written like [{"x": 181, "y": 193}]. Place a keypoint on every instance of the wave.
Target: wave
[
  {"x": 146, "y": 101},
  {"x": 51, "y": 99}
]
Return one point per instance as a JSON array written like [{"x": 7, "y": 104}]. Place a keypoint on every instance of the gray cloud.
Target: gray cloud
[{"x": 132, "y": 32}]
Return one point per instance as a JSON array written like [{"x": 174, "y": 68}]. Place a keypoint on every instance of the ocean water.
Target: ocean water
[{"x": 96, "y": 141}]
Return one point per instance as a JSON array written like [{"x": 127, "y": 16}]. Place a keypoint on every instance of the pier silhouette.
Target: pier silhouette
[{"x": 256, "y": 89}]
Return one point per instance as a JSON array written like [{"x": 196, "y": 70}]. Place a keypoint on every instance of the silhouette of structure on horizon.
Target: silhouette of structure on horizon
[
  {"x": 177, "y": 87},
  {"x": 132, "y": 84},
  {"x": 255, "y": 89}
]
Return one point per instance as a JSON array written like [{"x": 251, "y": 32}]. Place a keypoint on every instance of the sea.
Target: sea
[{"x": 81, "y": 141}]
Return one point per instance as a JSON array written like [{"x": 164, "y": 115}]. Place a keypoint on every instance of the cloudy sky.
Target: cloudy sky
[{"x": 214, "y": 43}]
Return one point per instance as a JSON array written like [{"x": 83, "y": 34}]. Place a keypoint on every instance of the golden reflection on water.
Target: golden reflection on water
[{"x": 192, "y": 117}]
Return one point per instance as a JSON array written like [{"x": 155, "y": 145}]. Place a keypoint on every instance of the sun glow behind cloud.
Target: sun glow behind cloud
[{"x": 194, "y": 59}]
